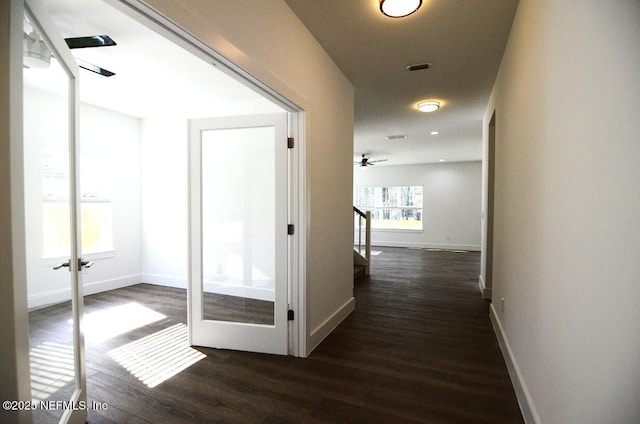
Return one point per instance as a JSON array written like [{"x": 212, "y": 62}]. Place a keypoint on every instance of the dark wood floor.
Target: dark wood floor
[
  {"x": 418, "y": 349},
  {"x": 220, "y": 307}
]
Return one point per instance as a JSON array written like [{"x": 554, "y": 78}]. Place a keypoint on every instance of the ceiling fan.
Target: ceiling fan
[
  {"x": 38, "y": 55},
  {"x": 366, "y": 161},
  {"x": 88, "y": 42}
]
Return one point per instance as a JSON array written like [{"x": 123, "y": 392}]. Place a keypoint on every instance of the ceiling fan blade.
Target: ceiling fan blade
[
  {"x": 90, "y": 41},
  {"x": 93, "y": 68},
  {"x": 378, "y": 160}
]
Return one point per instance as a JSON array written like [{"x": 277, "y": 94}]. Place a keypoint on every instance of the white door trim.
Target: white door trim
[
  {"x": 155, "y": 20},
  {"x": 15, "y": 364}
]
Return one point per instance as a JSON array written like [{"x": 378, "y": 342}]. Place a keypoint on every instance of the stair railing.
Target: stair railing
[{"x": 361, "y": 218}]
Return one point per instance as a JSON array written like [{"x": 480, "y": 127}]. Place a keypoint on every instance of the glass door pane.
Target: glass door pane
[
  {"x": 238, "y": 224},
  {"x": 50, "y": 101}
]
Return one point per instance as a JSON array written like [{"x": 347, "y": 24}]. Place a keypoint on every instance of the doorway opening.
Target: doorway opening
[
  {"x": 486, "y": 274},
  {"x": 133, "y": 158}
]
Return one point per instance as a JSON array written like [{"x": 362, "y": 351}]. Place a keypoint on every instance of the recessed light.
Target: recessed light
[
  {"x": 441, "y": 160},
  {"x": 429, "y": 106},
  {"x": 434, "y": 132}
]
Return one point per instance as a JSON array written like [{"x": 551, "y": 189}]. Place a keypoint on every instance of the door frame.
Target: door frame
[
  {"x": 298, "y": 210},
  {"x": 17, "y": 385},
  {"x": 485, "y": 280}
]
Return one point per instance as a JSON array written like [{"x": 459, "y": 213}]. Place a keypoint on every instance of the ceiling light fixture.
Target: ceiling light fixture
[
  {"x": 399, "y": 8},
  {"x": 430, "y": 106},
  {"x": 36, "y": 54},
  {"x": 434, "y": 132}
]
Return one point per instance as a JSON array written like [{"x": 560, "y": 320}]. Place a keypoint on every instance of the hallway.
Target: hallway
[{"x": 422, "y": 339}]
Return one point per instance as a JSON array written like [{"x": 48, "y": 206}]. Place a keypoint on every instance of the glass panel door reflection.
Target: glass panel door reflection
[
  {"x": 238, "y": 225},
  {"x": 47, "y": 201}
]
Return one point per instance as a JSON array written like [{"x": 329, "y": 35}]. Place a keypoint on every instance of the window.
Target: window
[
  {"x": 391, "y": 207},
  {"x": 95, "y": 205}
]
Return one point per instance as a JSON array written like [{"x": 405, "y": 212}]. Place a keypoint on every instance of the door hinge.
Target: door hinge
[
  {"x": 290, "y": 229},
  {"x": 290, "y": 315},
  {"x": 290, "y": 142}
]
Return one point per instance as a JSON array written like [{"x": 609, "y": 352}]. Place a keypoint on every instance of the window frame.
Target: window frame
[
  {"x": 56, "y": 192},
  {"x": 396, "y": 209}
]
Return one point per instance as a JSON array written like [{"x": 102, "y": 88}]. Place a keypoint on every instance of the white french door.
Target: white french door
[
  {"x": 58, "y": 360},
  {"x": 238, "y": 282}
]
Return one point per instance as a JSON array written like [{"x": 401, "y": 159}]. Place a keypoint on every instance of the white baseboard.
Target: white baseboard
[
  {"x": 211, "y": 287},
  {"x": 115, "y": 283},
  {"x": 524, "y": 399},
  {"x": 415, "y": 245},
  {"x": 41, "y": 300},
  {"x": 258, "y": 293},
  {"x": 161, "y": 280},
  {"x": 51, "y": 297},
  {"x": 486, "y": 291},
  {"x": 330, "y": 324}
]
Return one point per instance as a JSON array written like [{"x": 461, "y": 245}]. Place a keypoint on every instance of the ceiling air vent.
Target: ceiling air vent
[
  {"x": 418, "y": 67},
  {"x": 396, "y": 137}
]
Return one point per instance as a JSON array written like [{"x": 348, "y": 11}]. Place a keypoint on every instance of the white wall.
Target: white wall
[
  {"x": 165, "y": 202},
  {"x": 451, "y": 203},
  {"x": 268, "y": 40},
  {"x": 567, "y": 234},
  {"x": 114, "y": 139}
]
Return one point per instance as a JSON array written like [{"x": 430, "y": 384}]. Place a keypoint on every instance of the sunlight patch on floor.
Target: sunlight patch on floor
[
  {"x": 51, "y": 368},
  {"x": 107, "y": 323},
  {"x": 159, "y": 356}
]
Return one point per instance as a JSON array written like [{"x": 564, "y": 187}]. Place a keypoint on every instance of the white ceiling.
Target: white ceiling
[
  {"x": 463, "y": 40},
  {"x": 154, "y": 77}
]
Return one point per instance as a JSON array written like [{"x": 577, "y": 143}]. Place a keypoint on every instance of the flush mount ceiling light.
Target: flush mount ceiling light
[
  {"x": 399, "y": 8},
  {"x": 430, "y": 106},
  {"x": 36, "y": 54}
]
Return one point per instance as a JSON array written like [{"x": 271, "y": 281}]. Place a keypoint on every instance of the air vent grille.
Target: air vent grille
[
  {"x": 418, "y": 67},
  {"x": 396, "y": 137}
]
